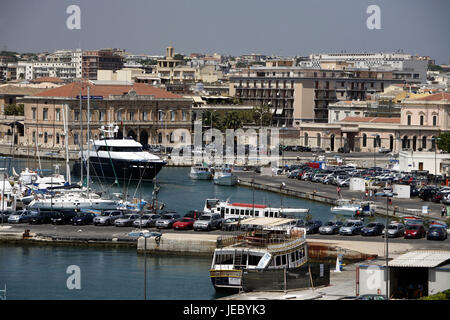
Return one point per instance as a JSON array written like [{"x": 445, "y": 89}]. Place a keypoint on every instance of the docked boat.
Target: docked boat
[
  {"x": 224, "y": 176},
  {"x": 247, "y": 210},
  {"x": 73, "y": 201},
  {"x": 346, "y": 207},
  {"x": 200, "y": 172},
  {"x": 258, "y": 255},
  {"x": 119, "y": 159}
]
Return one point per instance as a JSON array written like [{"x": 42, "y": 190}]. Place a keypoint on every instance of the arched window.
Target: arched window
[
  {"x": 306, "y": 139},
  {"x": 319, "y": 140},
  {"x": 434, "y": 120},
  {"x": 405, "y": 142},
  {"x": 364, "y": 140},
  {"x": 408, "y": 117},
  {"x": 421, "y": 120}
]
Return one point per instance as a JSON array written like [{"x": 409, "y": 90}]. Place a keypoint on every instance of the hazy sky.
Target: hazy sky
[{"x": 275, "y": 27}]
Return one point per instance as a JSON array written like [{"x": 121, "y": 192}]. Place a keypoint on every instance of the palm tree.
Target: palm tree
[{"x": 232, "y": 120}]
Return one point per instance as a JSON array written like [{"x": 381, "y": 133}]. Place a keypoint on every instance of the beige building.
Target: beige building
[
  {"x": 148, "y": 114},
  {"x": 171, "y": 70}
]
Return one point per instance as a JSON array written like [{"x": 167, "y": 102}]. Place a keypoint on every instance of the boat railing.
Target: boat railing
[{"x": 261, "y": 239}]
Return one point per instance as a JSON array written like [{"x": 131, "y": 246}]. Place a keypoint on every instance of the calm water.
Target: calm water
[{"x": 33, "y": 272}]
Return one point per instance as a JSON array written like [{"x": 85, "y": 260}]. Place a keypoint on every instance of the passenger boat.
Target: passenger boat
[
  {"x": 119, "y": 159},
  {"x": 200, "y": 172},
  {"x": 246, "y": 210},
  {"x": 262, "y": 251},
  {"x": 224, "y": 176},
  {"x": 346, "y": 207}
]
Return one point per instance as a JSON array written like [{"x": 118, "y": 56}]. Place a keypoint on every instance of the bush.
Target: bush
[{"x": 445, "y": 295}]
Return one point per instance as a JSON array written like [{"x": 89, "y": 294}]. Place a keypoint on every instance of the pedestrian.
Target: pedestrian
[
  {"x": 338, "y": 189},
  {"x": 443, "y": 211}
]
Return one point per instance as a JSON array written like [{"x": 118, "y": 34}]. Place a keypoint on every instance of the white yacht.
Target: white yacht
[
  {"x": 224, "y": 176},
  {"x": 119, "y": 159},
  {"x": 247, "y": 210},
  {"x": 73, "y": 201},
  {"x": 346, "y": 207},
  {"x": 200, "y": 172}
]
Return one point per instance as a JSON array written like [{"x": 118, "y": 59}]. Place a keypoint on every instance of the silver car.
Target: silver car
[
  {"x": 22, "y": 216},
  {"x": 331, "y": 227},
  {"x": 147, "y": 220},
  {"x": 107, "y": 217},
  {"x": 395, "y": 230},
  {"x": 126, "y": 221},
  {"x": 166, "y": 220},
  {"x": 208, "y": 222},
  {"x": 351, "y": 228}
]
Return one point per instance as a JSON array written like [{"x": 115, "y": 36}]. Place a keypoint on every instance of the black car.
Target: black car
[
  {"x": 372, "y": 229},
  {"x": 64, "y": 217},
  {"x": 428, "y": 193},
  {"x": 83, "y": 218},
  {"x": 312, "y": 226},
  {"x": 44, "y": 217}
]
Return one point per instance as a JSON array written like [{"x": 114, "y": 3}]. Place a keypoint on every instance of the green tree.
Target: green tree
[
  {"x": 263, "y": 111},
  {"x": 232, "y": 120},
  {"x": 14, "y": 110},
  {"x": 206, "y": 119},
  {"x": 444, "y": 142}
]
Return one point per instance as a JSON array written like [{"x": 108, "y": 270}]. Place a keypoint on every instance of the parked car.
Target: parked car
[
  {"x": 312, "y": 226},
  {"x": 229, "y": 224},
  {"x": 194, "y": 214},
  {"x": 108, "y": 217},
  {"x": 184, "y": 223},
  {"x": 22, "y": 216},
  {"x": 414, "y": 231},
  {"x": 127, "y": 220},
  {"x": 146, "y": 220},
  {"x": 351, "y": 228},
  {"x": 208, "y": 222},
  {"x": 83, "y": 218},
  {"x": 44, "y": 217},
  {"x": 436, "y": 233},
  {"x": 331, "y": 227},
  {"x": 372, "y": 229},
  {"x": 166, "y": 220},
  {"x": 395, "y": 230},
  {"x": 63, "y": 217},
  {"x": 427, "y": 193}
]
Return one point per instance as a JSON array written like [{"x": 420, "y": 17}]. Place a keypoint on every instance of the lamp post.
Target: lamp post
[
  {"x": 435, "y": 151},
  {"x": 388, "y": 196}
]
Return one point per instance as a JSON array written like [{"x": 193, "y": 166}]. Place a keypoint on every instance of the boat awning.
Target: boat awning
[
  {"x": 421, "y": 259},
  {"x": 266, "y": 221}
]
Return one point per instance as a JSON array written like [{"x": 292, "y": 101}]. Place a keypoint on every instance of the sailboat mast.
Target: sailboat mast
[
  {"x": 81, "y": 137},
  {"x": 89, "y": 139},
  {"x": 66, "y": 141}
]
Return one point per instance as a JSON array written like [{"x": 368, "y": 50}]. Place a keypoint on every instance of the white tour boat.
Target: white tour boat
[
  {"x": 200, "y": 172},
  {"x": 224, "y": 176}
]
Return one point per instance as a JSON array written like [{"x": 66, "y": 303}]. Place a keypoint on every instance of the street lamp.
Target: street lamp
[
  {"x": 388, "y": 196},
  {"x": 435, "y": 150}
]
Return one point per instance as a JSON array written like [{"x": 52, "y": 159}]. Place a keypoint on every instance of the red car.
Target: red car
[
  {"x": 184, "y": 224},
  {"x": 415, "y": 231}
]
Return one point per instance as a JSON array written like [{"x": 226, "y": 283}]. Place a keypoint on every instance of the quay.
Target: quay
[{"x": 327, "y": 194}]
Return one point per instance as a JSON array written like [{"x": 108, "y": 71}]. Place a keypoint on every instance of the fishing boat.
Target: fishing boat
[
  {"x": 246, "y": 210},
  {"x": 256, "y": 254},
  {"x": 200, "y": 172},
  {"x": 346, "y": 207},
  {"x": 224, "y": 176},
  {"x": 119, "y": 159}
]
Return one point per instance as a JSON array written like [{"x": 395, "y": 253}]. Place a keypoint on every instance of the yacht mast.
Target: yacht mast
[
  {"x": 81, "y": 137},
  {"x": 66, "y": 141},
  {"x": 89, "y": 139}
]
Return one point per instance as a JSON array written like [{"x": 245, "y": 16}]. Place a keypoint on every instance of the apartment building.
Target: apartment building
[
  {"x": 104, "y": 59},
  {"x": 298, "y": 95}
]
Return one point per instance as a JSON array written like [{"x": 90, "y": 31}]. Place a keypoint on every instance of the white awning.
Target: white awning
[
  {"x": 279, "y": 111},
  {"x": 421, "y": 258}
]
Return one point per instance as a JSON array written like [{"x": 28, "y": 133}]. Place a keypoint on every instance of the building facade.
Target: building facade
[{"x": 148, "y": 114}]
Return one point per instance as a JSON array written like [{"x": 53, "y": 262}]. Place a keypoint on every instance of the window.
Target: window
[
  {"x": 144, "y": 116},
  {"x": 421, "y": 120},
  {"x": 45, "y": 114},
  {"x": 161, "y": 115},
  {"x": 58, "y": 114},
  {"x": 364, "y": 140},
  {"x": 408, "y": 117},
  {"x": 33, "y": 110},
  {"x": 172, "y": 115},
  {"x": 119, "y": 115},
  {"x": 57, "y": 138},
  {"x": 184, "y": 115},
  {"x": 319, "y": 140},
  {"x": 77, "y": 115},
  {"x": 434, "y": 120},
  {"x": 424, "y": 142},
  {"x": 101, "y": 115},
  {"x": 45, "y": 137},
  {"x": 306, "y": 139},
  {"x": 131, "y": 114},
  {"x": 34, "y": 136},
  {"x": 75, "y": 138}
]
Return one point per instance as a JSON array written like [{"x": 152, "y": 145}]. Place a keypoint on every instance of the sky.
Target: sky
[{"x": 229, "y": 27}]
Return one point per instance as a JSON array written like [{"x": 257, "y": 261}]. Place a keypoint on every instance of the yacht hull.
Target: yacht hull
[{"x": 123, "y": 170}]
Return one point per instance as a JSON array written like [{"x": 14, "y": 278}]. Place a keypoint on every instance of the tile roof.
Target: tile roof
[
  {"x": 372, "y": 119},
  {"x": 72, "y": 90},
  {"x": 48, "y": 79},
  {"x": 435, "y": 97}
]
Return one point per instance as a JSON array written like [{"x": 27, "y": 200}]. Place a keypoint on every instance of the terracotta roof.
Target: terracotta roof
[
  {"x": 72, "y": 90},
  {"x": 19, "y": 90},
  {"x": 435, "y": 97},
  {"x": 372, "y": 119},
  {"x": 47, "y": 79}
]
